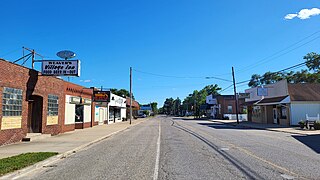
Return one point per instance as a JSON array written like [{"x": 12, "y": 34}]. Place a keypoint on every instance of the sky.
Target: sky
[{"x": 172, "y": 45}]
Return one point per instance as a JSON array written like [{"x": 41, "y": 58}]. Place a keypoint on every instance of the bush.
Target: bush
[
  {"x": 302, "y": 124},
  {"x": 316, "y": 125},
  {"x": 225, "y": 118}
]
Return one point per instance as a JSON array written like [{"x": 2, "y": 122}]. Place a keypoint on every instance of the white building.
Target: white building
[
  {"x": 116, "y": 109},
  {"x": 110, "y": 112}
]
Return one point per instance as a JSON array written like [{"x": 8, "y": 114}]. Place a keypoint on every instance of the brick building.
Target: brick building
[
  {"x": 221, "y": 106},
  {"x": 32, "y": 103}
]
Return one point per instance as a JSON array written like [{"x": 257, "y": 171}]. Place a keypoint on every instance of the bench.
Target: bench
[
  {"x": 311, "y": 120},
  {"x": 309, "y": 124}
]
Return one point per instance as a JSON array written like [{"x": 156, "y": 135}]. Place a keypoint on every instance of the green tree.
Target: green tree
[
  {"x": 177, "y": 106},
  {"x": 255, "y": 80},
  {"x": 313, "y": 61},
  {"x": 121, "y": 92},
  {"x": 154, "y": 107},
  {"x": 167, "y": 106}
]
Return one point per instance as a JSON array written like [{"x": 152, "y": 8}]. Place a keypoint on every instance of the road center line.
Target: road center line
[{"x": 156, "y": 168}]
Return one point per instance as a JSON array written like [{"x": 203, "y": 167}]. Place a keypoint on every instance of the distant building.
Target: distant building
[
  {"x": 135, "y": 107},
  {"x": 146, "y": 107},
  {"x": 221, "y": 106}
]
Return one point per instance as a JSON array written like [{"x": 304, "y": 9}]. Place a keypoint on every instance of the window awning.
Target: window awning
[{"x": 272, "y": 101}]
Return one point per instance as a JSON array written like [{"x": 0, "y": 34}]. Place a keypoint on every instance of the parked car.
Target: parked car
[{"x": 142, "y": 116}]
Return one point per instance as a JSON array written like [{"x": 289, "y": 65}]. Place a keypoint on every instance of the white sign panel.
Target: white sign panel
[
  {"x": 262, "y": 91},
  {"x": 61, "y": 68}
]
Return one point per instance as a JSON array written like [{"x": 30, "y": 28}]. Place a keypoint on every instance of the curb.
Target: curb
[
  {"x": 46, "y": 163},
  {"x": 274, "y": 130}
]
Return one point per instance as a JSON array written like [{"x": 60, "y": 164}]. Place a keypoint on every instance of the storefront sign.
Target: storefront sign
[
  {"x": 75, "y": 100},
  {"x": 101, "y": 96},
  {"x": 86, "y": 101},
  {"x": 61, "y": 68}
]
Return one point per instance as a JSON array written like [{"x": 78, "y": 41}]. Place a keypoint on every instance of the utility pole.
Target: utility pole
[
  {"x": 235, "y": 94},
  {"x": 130, "y": 94}
]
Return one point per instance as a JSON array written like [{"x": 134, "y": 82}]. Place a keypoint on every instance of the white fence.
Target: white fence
[{"x": 242, "y": 117}]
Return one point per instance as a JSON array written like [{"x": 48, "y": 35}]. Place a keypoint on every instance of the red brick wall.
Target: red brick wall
[
  {"x": 68, "y": 127},
  {"x": 32, "y": 83}
]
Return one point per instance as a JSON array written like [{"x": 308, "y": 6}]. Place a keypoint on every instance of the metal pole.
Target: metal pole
[
  {"x": 33, "y": 54},
  {"x": 235, "y": 94},
  {"x": 130, "y": 94}
]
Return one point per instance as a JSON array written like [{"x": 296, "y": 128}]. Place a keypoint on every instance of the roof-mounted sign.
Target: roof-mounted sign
[
  {"x": 66, "y": 54},
  {"x": 61, "y": 68}
]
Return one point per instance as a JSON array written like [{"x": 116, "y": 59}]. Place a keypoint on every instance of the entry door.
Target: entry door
[
  {"x": 275, "y": 116},
  {"x": 101, "y": 115},
  {"x": 35, "y": 114}
]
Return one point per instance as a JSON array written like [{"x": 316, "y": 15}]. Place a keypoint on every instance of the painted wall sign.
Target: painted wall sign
[
  {"x": 101, "y": 96},
  {"x": 61, "y": 68}
]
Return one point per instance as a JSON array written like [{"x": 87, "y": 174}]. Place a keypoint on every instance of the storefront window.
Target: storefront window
[
  {"x": 117, "y": 113},
  {"x": 11, "y": 102},
  {"x": 53, "y": 105},
  {"x": 283, "y": 113},
  {"x": 79, "y": 113},
  {"x": 229, "y": 109},
  {"x": 111, "y": 114}
]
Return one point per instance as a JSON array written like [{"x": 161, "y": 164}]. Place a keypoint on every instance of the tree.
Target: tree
[
  {"x": 167, "y": 106},
  {"x": 121, "y": 92},
  {"x": 270, "y": 77},
  {"x": 255, "y": 80},
  {"x": 177, "y": 106},
  {"x": 313, "y": 61},
  {"x": 154, "y": 107}
]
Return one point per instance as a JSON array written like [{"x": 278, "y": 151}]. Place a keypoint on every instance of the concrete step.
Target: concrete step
[{"x": 35, "y": 136}]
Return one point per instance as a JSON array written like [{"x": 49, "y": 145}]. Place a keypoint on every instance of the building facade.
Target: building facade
[
  {"x": 117, "y": 111},
  {"x": 283, "y": 103},
  {"x": 30, "y": 103},
  {"x": 221, "y": 106}
]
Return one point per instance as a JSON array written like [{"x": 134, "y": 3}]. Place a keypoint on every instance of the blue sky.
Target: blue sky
[{"x": 184, "y": 38}]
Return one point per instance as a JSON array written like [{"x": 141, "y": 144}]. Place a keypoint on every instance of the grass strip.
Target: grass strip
[{"x": 20, "y": 161}]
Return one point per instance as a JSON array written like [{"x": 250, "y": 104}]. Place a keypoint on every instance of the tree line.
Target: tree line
[
  {"x": 309, "y": 75},
  {"x": 191, "y": 104}
]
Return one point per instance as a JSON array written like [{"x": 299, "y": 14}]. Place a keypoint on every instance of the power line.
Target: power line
[
  {"x": 267, "y": 59},
  {"x": 13, "y": 51},
  {"x": 182, "y": 77},
  {"x": 225, "y": 88},
  {"x": 285, "y": 69}
]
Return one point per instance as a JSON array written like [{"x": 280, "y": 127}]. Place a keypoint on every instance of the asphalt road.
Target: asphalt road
[{"x": 191, "y": 149}]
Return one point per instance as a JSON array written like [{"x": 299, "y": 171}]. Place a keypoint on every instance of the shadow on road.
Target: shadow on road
[
  {"x": 312, "y": 141},
  {"x": 249, "y": 173},
  {"x": 226, "y": 126}
]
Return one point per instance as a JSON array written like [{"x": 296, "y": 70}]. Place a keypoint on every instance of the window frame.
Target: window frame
[
  {"x": 12, "y": 102},
  {"x": 53, "y": 105}
]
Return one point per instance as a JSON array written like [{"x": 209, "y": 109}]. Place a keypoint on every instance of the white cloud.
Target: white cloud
[
  {"x": 86, "y": 81},
  {"x": 290, "y": 16},
  {"x": 304, "y": 14}
]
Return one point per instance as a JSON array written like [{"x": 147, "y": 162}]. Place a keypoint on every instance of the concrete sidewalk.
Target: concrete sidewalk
[
  {"x": 270, "y": 127},
  {"x": 69, "y": 142}
]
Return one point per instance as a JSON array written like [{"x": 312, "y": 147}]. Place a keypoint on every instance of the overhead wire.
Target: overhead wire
[
  {"x": 182, "y": 77},
  {"x": 10, "y": 52},
  {"x": 273, "y": 56},
  {"x": 282, "y": 70}
]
